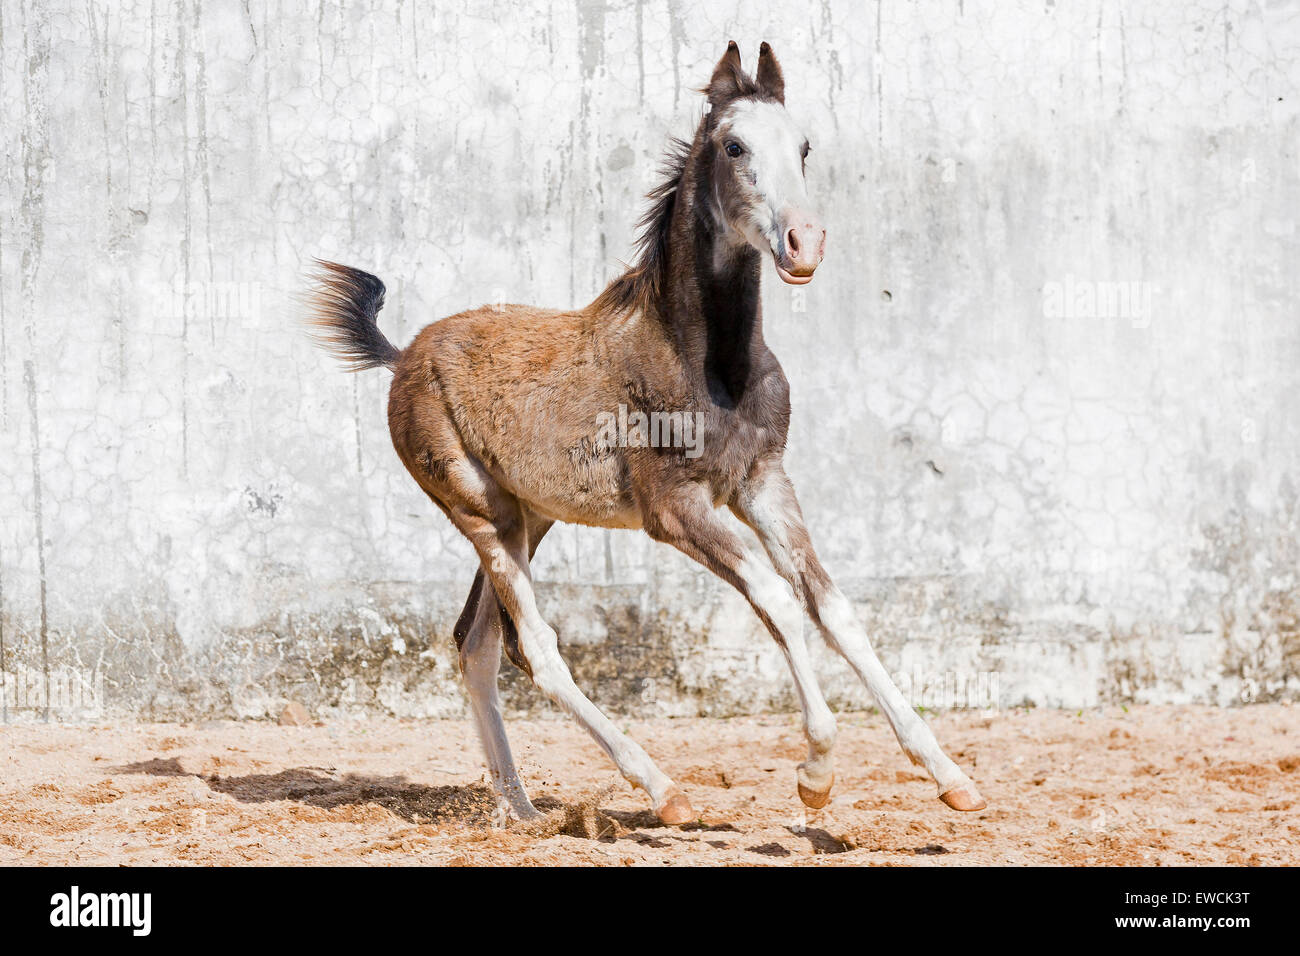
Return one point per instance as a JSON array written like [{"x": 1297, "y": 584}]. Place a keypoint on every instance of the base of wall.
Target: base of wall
[{"x": 699, "y": 653}]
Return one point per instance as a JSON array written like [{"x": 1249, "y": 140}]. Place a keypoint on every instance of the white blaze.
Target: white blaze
[{"x": 771, "y": 168}]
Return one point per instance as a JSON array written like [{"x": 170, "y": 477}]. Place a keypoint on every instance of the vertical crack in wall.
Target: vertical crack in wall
[
  {"x": 356, "y": 383},
  {"x": 835, "y": 69},
  {"x": 36, "y": 157},
  {"x": 4, "y": 335},
  {"x": 677, "y": 36},
  {"x": 99, "y": 43},
  {"x": 880, "y": 84},
  {"x": 201, "y": 153},
  {"x": 1101, "y": 73},
  {"x": 1123, "y": 60},
  {"x": 153, "y": 102},
  {"x": 263, "y": 51},
  {"x": 640, "y": 53},
  {"x": 186, "y": 174},
  {"x": 4, "y": 338},
  {"x": 591, "y": 32},
  {"x": 4, "y": 688},
  {"x": 29, "y": 377},
  {"x": 356, "y": 419},
  {"x": 4, "y": 375}
]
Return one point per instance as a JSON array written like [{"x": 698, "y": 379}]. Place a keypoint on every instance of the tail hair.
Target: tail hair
[{"x": 343, "y": 308}]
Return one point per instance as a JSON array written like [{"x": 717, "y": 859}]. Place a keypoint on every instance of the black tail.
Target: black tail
[{"x": 344, "y": 307}]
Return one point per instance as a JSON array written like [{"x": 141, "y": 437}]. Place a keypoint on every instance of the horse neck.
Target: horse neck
[{"x": 712, "y": 299}]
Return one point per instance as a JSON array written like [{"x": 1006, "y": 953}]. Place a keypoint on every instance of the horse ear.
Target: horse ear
[
  {"x": 769, "y": 74},
  {"x": 728, "y": 78}
]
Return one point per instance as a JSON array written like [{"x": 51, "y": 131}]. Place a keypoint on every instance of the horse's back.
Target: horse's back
[{"x": 519, "y": 389}]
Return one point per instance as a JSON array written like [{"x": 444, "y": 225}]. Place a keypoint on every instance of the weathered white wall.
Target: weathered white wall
[{"x": 199, "y": 509}]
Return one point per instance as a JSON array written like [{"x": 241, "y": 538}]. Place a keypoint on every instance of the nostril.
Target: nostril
[{"x": 792, "y": 242}]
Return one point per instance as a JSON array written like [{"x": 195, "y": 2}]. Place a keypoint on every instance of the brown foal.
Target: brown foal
[{"x": 502, "y": 415}]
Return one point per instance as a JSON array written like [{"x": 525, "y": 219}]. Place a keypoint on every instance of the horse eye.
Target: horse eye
[{"x": 733, "y": 150}]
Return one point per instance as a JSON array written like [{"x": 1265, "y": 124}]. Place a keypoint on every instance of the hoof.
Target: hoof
[
  {"x": 676, "y": 810},
  {"x": 965, "y": 798},
  {"x": 815, "y": 799}
]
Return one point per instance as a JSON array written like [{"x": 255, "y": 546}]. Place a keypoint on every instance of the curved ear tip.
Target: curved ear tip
[
  {"x": 731, "y": 46},
  {"x": 764, "y": 47}
]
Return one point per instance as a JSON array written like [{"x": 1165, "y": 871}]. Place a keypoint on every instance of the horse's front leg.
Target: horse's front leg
[
  {"x": 767, "y": 503},
  {"x": 688, "y": 521}
]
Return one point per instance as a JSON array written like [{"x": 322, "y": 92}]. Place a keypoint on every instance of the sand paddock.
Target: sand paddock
[{"x": 1150, "y": 785}]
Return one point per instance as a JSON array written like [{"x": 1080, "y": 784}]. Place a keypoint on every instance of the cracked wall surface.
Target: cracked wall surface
[{"x": 1045, "y": 384}]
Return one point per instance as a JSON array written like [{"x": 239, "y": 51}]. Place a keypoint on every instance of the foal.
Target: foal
[{"x": 495, "y": 412}]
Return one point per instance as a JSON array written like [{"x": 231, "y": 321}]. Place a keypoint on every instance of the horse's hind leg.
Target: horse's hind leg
[
  {"x": 479, "y": 634},
  {"x": 501, "y": 545},
  {"x": 480, "y": 661}
]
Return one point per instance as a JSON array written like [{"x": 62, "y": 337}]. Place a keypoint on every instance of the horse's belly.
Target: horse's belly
[{"x": 573, "y": 484}]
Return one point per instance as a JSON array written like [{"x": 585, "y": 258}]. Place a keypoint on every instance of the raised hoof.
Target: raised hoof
[
  {"x": 965, "y": 798},
  {"x": 676, "y": 810},
  {"x": 815, "y": 799}
]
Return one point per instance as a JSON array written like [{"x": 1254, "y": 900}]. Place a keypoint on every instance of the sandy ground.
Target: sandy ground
[{"x": 1151, "y": 785}]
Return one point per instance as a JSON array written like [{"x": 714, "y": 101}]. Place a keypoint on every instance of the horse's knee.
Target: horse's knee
[
  {"x": 839, "y": 622},
  {"x": 540, "y": 653},
  {"x": 774, "y": 598}
]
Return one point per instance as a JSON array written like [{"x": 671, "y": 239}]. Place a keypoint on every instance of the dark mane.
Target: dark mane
[{"x": 643, "y": 280}]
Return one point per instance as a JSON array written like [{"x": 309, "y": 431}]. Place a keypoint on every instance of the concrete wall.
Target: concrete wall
[{"x": 1045, "y": 425}]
